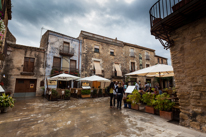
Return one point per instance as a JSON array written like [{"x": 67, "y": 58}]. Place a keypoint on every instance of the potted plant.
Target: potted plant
[
  {"x": 94, "y": 93},
  {"x": 8, "y": 93},
  {"x": 66, "y": 72},
  {"x": 67, "y": 94},
  {"x": 135, "y": 98},
  {"x": 5, "y": 103},
  {"x": 100, "y": 93},
  {"x": 164, "y": 105},
  {"x": 54, "y": 95},
  {"x": 85, "y": 93},
  {"x": 61, "y": 71},
  {"x": 148, "y": 99}
]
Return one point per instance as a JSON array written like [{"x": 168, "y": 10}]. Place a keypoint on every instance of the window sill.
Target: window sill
[
  {"x": 96, "y": 52},
  {"x": 112, "y": 55},
  {"x": 27, "y": 73}
]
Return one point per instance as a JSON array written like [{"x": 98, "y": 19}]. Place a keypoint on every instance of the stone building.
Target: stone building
[
  {"x": 112, "y": 58},
  {"x": 5, "y": 15},
  {"x": 184, "y": 30},
  {"x": 23, "y": 70},
  {"x": 160, "y": 60},
  {"x": 63, "y": 55}
]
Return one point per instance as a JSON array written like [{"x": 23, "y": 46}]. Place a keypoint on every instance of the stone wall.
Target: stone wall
[
  {"x": 10, "y": 37},
  {"x": 189, "y": 61},
  {"x": 160, "y": 60},
  {"x": 121, "y": 56},
  {"x": 14, "y": 64}
]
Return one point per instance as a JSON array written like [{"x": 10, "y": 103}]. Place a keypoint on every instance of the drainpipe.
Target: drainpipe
[{"x": 79, "y": 61}]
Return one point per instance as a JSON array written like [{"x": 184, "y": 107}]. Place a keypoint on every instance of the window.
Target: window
[
  {"x": 111, "y": 52},
  {"x": 66, "y": 47},
  {"x": 57, "y": 63},
  {"x": 147, "y": 65},
  {"x": 72, "y": 65},
  {"x": 28, "y": 64},
  {"x": 132, "y": 66},
  {"x": 158, "y": 60},
  {"x": 132, "y": 53},
  {"x": 140, "y": 61},
  {"x": 162, "y": 61},
  {"x": 96, "y": 49},
  {"x": 147, "y": 56}
]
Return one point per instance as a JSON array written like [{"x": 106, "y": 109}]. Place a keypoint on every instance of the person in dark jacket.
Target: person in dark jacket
[{"x": 119, "y": 96}]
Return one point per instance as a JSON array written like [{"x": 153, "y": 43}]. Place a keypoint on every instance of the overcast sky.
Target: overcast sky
[{"x": 128, "y": 20}]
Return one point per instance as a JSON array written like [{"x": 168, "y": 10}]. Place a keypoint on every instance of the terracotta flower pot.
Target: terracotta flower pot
[
  {"x": 135, "y": 106},
  {"x": 86, "y": 96},
  {"x": 166, "y": 115},
  {"x": 66, "y": 72},
  {"x": 149, "y": 110}
]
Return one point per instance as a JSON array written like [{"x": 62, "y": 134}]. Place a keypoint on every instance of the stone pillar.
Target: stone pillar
[{"x": 189, "y": 62}]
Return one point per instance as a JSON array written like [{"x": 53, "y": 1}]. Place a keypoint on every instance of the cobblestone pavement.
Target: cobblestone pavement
[{"x": 84, "y": 118}]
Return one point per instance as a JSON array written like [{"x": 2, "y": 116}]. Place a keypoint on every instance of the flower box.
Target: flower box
[
  {"x": 135, "y": 106},
  {"x": 149, "y": 109},
  {"x": 66, "y": 72},
  {"x": 86, "y": 96},
  {"x": 166, "y": 115},
  {"x": 56, "y": 71}
]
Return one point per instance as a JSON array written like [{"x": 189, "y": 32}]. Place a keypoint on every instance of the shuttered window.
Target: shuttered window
[
  {"x": 57, "y": 63},
  {"x": 66, "y": 47},
  {"x": 28, "y": 64},
  {"x": 72, "y": 65},
  {"x": 132, "y": 66}
]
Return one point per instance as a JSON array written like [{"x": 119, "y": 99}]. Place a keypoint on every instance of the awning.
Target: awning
[
  {"x": 98, "y": 70},
  {"x": 119, "y": 72}
]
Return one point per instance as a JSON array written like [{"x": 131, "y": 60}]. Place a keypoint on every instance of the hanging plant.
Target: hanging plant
[
  {"x": 1, "y": 14},
  {"x": 2, "y": 29}
]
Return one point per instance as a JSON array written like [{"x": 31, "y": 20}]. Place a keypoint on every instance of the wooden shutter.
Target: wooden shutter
[
  {"x": 26, "y": 64},
  {"x": 132, "y": 66},
  {"x": 66, "y": 47},
  {"x": 57, "y": 63},
  {"x": 72, "y": 65},
  {"x": 31, "y": 65}
]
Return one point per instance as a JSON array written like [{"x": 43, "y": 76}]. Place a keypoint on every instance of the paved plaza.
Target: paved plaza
[{"x": 84, "y": 118}]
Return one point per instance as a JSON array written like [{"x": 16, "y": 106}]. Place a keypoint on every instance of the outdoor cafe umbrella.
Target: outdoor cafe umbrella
[
  {"x": 64, "y": 77},
  {"x": 159, "y": 70},
  {"x": 94, "y": 78}
]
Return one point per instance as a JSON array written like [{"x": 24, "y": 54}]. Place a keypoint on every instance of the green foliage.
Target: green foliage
[
  {"x": 94, "y": 92},
  {"x": 163, "y": 103},
  {"x": 43, "y": 88},
  {"x": 67, "y": 93},
  {"x": 6, "y": 101},
  {"x": 85, "y": 92},
  {"x": 100, "y": 91},
  {"x": 54, "y": 92},
  {"x": 148, "y": 98},
  {"x": 135, "y": 97}
]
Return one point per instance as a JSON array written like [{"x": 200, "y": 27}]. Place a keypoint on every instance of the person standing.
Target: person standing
[
  {"x": 137, "y": 86},
  {"x": 119, "y": 96},
  {"x": 111, "y": 88},
  {"x": 146, "y": 87},
  {"x": 115, "y": 92}
]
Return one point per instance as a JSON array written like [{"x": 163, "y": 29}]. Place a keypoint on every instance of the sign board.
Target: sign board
[
  {"x": 85, "y": 84},
  {"x": 52, "y": 82},
  {"x": 130, "y": 89},
  {"x": 31, "y": 85}
]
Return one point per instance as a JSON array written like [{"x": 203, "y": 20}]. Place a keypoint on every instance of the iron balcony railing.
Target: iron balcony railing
[
  {"x": 163, "y": 8},
  {"x": 147, "y": 57},
  {"x": 59, "y": 70},
  {"x": 67, "y": 52},
  {"x": 132, "y": 54}
]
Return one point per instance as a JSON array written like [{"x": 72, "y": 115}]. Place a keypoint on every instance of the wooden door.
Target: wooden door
[
  {"x": 72, "y": 65},
  {"x": 96, "y": 84},
  {"x": 57, "y": 63},
  {"x": 25, "y": 85}
]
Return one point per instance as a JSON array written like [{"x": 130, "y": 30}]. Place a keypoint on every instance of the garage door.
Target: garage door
[{"x": 25, "y": 88}]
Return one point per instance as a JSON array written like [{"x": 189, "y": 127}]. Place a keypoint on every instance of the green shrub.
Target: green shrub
[
  {"x": 67, "y": 93},
  {"x": 148, "y": 98},
  {"x": 6, "y": 101},
  {"x": 135, "y": 97},
  {"x": 85, "y": 92},
  {"x": 54, "y": 92},
  {"x": 163, "y": 103}
]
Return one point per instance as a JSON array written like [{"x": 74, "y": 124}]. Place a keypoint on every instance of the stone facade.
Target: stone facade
[
  {"x": 53, "y": 43},
  {"x": 189, "y": 59},
  {"x": 160, "y": 60},
  {"x": 14, "y": 64},
  {"x": 122, "y": 56}
]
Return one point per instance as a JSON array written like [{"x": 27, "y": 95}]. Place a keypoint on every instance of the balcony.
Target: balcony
[
  {"x": 67, "y": 52},
  {"x": 132, "y": 54},
  {"x": 57, "y": 70},
  {"x": 169, "y": 15},
  {"x": 147, "y": 57}
]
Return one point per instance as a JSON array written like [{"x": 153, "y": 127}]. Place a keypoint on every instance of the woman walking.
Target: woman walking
[
  {"x": 111, "y": 88},
  {"x": 119, "y": 96}
]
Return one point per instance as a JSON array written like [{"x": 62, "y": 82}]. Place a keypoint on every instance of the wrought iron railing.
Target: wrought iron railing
[
  {"x": 163, "y": 8},
  {"x": 67, "y": 51},
  {"x": 58, "y": 70},
  {"x": 147, "y": 57}
]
